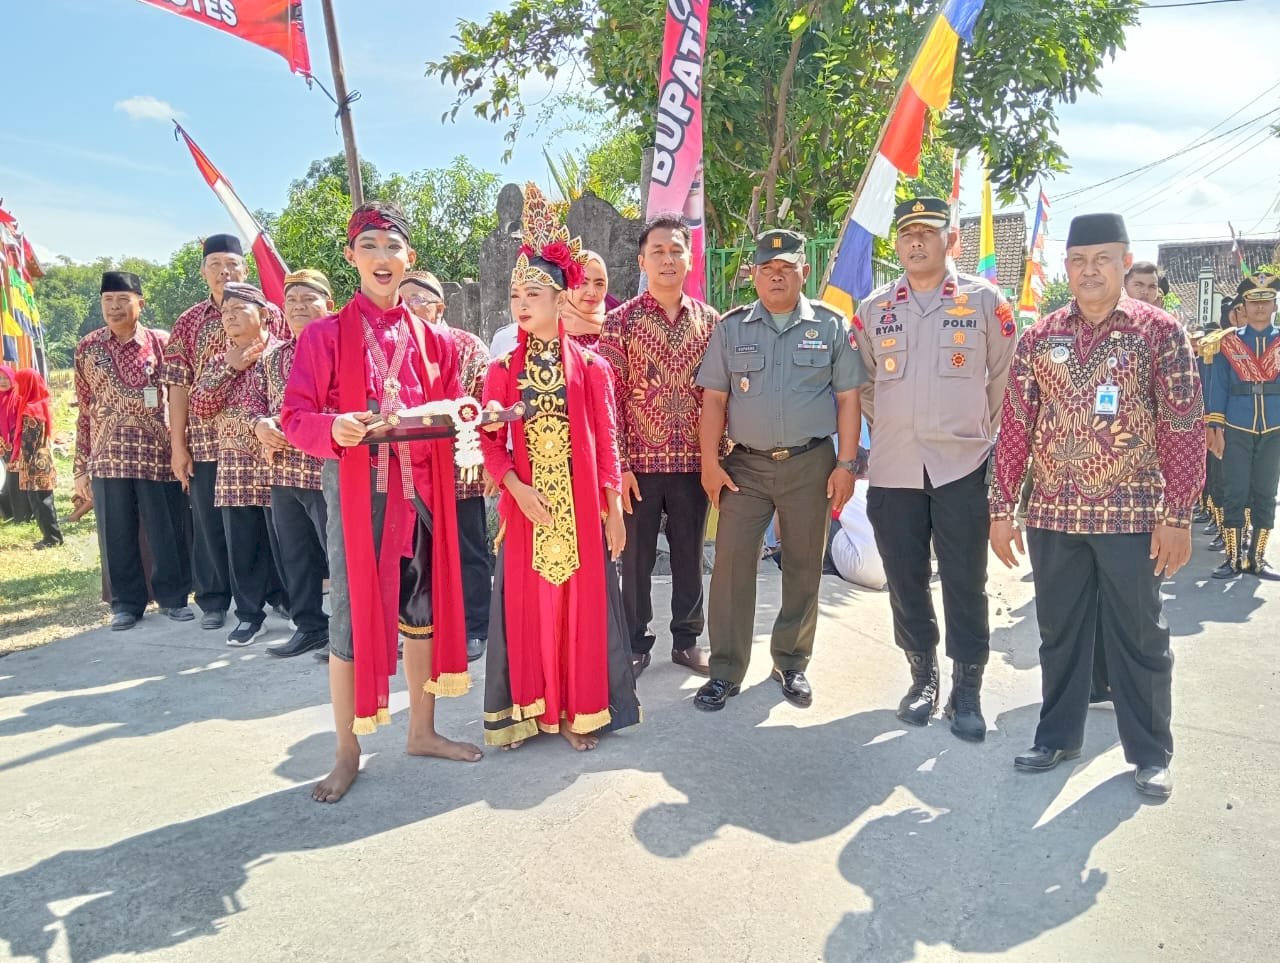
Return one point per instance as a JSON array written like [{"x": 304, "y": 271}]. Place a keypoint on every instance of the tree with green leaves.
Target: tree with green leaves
[
  {"x": 795, "y": 93},
  {"x": 450, "y": 210}
]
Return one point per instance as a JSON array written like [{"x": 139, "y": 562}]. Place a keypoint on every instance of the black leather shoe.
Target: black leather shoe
[
  {"x": 795, "y": 687},
  {"x": 964, "y": 708},
  {"x": 714, "y": 694},
  {"x": 921, "y": 701},
  {"x": 214, "y": 619},
  {"x": 179, "y": 613},
  {"x": 299, "y": 643},
  {"x": 1218, "y": 544},
  {"x": 1226, "y": 570},
  {"x": 639, "y": 662},
  {"x": 1210, "y": 529},
  {"x": 1265, "y": 572},
  {"x": 475, "y": 649},
  {"x": 1042, "y": 759},
  {"x": 123, "y": 621}
]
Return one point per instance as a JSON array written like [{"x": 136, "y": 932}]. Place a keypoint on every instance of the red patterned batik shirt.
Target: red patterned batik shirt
[
  {"x": 224, "y": 398},
  {"x": 1112, "y": 419},
  {"x": 121, "y": 431},
  {"x": 290, "y": 468},
  {"x": 655, "y": 361},
  {"x": 196, "y": 338}
]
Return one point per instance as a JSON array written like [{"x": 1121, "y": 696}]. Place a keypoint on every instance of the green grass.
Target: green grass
[{"x": 51, "y": 594}]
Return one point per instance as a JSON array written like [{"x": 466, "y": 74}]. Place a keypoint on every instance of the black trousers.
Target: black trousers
[
  {"x": 298, "y": 518},
  {"x": 955, "y": 516},
  {"x": 1250, "y": 474},
  {"x": 1100, "y": 589},
  {"x": 209, "y": 543},
  {"x": 1213, "y": 478},
  {"x": 120, "y": 506},
  {"x": 46, "y": 515},
  {"x": 252, "y": 550},
  {"x": 477, "y": 568},
  {"x": 681, "y": 497},
  {"x": 14, "y": 504}
]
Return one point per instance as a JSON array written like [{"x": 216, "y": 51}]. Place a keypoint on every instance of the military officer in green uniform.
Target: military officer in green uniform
[
  {"x": 938, "y": 346},
  {"x": 1243, "y": 415},
  {"x": 783, "y": 375}
]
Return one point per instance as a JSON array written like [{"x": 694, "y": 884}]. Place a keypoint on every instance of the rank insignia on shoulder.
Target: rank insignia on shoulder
[{"x": 962, "y": 298}]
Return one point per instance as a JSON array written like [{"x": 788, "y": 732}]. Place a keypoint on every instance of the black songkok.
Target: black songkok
[
  {"x": 120, "y": 281},
  {"x": 1089, "y": 229},
  {"x": 222, "y": 244}
]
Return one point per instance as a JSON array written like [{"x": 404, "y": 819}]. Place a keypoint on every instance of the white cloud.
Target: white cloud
[{"x": 146, "y": 107}]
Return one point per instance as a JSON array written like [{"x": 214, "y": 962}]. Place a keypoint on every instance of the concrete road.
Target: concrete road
[{"x": 153, "y": 803}]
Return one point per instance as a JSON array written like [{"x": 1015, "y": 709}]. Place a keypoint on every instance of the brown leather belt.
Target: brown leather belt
[{"x": 782, "y": 454}]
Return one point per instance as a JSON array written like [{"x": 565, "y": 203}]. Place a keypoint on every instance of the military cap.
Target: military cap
[
  {"x": 120, "y": 281},
  {"x": 1089, "y": 229},
  {"x": 1259, "y": 287},
  {"x": 779, "y": 245},
  {"x": 922, "y": 210}
]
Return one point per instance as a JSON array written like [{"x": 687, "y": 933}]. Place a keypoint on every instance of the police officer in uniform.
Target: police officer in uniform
[
  {"x": 783, "y": 374},
  {"x": 937, "y": 345},
  {"x": 1243, "y": 414}
]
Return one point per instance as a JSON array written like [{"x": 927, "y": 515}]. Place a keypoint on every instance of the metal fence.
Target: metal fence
[{"x": 729, "y": 271}]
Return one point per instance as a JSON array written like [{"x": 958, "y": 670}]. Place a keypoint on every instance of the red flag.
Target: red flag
[
  {"x": 274, "y": 24},
  {"x": 271, "y": 269}
]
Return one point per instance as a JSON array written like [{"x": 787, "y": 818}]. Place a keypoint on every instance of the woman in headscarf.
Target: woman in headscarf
[
  {"x": 28, "y": 434},
  {"x": 583, "y": 308},
  {"x": 559, "y": 660}
]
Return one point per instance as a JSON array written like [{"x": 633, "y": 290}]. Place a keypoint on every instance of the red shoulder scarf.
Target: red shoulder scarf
[
  {"x": 374, "y": 580},
  {"x": 587, "y": 613}
]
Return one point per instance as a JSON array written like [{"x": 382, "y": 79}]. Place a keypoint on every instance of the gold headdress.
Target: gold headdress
[{"x": 547, "y": 255}]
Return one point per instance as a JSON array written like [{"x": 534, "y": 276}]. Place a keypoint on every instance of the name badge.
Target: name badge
[
  {"x": 746, "y": 348},
  {"x": 1107, "y": 401},
  {"x": 151, "y": 397},
  {"x": 813, "y": 345}
]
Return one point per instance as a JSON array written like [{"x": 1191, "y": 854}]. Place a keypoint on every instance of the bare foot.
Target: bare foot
[
  {"x": 442, "y": 748},
  {"x": 335, "y": 785},
  {"x": 514, "y": 745},
  {"x": 579, "y": 742}
]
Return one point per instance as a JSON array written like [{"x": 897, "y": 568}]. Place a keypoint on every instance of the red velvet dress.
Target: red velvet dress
[{"x": 559, "y": 656}]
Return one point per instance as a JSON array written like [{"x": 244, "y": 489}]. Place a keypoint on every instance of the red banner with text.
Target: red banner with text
[
  {"x": 274, "y": 24},
  {"x": 676, "y": 182}
]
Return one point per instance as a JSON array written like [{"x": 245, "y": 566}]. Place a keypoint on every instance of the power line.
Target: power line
[
  {"x": 1250, "y": 143},
  {"x": 1189, "y": 3},
  {"x": 1194, "y": 145}
]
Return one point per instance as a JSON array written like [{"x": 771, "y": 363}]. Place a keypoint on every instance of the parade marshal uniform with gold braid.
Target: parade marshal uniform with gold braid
[
  {"x": 1206, "y": 351},
  {"x": 1244, "y": 399},
  {"x": 558, "y": 650}
]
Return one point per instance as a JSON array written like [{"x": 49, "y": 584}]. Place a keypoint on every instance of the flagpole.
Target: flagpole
[
  {"x": 344, "y": 105},
  {"x": 875, "y": 150}
]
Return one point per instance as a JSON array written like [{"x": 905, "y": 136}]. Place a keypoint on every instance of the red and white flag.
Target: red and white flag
[{"x": 271, "y": 269}]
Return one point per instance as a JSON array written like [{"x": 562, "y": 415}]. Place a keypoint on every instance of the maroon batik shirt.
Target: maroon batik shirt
[
  {"x": 655, "y": 361},
  {"x": 196, "y": 338},
  {"x": 120, "y": 426},
  {"x": 290, "y": 468},
  {"x": 1101, "y": 473},
  {"x": 224, "y": 397}
]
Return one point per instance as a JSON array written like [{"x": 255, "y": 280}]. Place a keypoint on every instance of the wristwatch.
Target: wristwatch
[{"x": 848, "y": 466}]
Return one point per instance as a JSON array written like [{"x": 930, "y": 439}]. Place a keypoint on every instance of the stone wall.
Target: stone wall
[{"x": 482, "y": 305}]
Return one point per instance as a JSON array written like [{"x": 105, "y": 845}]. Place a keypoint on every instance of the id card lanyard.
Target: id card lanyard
[{"x": 1106, "y": 402}]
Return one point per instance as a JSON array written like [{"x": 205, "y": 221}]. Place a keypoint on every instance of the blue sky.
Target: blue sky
[{"x": 87, "y": 177}]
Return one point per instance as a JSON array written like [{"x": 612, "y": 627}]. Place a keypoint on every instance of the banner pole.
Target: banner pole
[{"x": 344, "y": 105}]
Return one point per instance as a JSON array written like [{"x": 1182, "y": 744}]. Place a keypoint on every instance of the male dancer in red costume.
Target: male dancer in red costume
[{"x": 392, "y": 533}]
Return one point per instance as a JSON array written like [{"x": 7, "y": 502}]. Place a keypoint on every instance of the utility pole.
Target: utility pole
[{"x": 344, "y": 108}]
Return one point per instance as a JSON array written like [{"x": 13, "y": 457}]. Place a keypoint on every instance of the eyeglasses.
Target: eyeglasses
[{"x": 421, "y": 300}]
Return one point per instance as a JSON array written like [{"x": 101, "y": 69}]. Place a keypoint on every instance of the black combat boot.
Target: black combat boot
[
  {"x": 921, "y": 700},
  {"x": 1259, "y": 565},
  {"x": 1230, "y": 566},
  {"x": 964, "y": 708}
]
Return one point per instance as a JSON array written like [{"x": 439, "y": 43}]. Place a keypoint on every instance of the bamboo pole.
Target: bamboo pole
[{"x": 344, "y": 107}]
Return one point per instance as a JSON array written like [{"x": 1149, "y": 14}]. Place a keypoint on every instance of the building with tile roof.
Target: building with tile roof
[{"x": 1011, "y": 249}]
